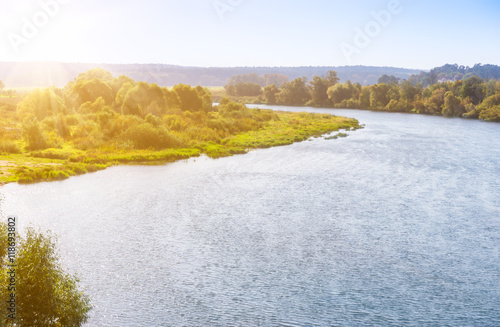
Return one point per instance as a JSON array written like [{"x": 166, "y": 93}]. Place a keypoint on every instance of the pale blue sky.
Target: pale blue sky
[{"x": 423, "y": 34}]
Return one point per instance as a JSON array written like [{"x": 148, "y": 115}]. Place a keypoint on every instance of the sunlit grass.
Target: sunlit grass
[{"x": 60, "y": 163}]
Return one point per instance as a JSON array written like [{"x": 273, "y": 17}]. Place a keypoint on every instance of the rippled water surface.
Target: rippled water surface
[{"x": 397, "y": 224}]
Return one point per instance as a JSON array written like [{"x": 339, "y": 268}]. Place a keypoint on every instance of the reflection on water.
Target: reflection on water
[{"x": 397, "y": 224}]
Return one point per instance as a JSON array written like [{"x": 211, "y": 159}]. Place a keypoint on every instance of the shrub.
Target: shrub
[{"x": 145, "y": 136}]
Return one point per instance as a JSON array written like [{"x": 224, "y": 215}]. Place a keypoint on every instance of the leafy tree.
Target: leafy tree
[
  {"x": 117, "y": 83},
  {"x": 379, "y": 96},
  {"x": 492, "y": 114},
  {"x": 473, "y": 88},
  {"x": 189, "y": 98},
  {"x": 203, "y": 92},
  {"x": 41, "y": 103},
  {"x": 294, "y": 93},
  {"x": 58, "y": 124},
  {"x": 453, "y": 107},
  {"x": 45, "y": 294},
  {"x": 435, "y": 102},
  {"x": 489, "y": 102},
  {"x": 146, "y": 98},
  {"x": 320, "y": 86},
  {"x": 85, "y": 90},
  {"x": 319, "y": 91},
  {"x": 96, "y": 73},
  {"x": 395, "y": 105},
  {"x": 340, "y": 92},
  {"x": 2, "y": 85},
  {"x": 122, "y": 93},
  {"x": 331, "y": 78},
  {"x": 92, "y": 107},
  {"x": 33, "y": 135},
  {"x": 409, "y": 91},
  {"x": 364, "y": 97},
  {"x": 270, "y": 93},
  {"x": 388, "y": 79}
]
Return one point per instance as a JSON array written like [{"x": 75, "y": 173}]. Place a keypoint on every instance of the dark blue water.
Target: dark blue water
[{"x": 396, "y": 225}]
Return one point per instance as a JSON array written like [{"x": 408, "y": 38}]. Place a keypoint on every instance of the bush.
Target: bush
[
  {"x": 491, "y": 114},
  {"x": 146, "y": 136}
]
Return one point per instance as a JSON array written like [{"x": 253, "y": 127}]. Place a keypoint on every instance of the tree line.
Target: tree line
[{"x": 472, "y": 97}]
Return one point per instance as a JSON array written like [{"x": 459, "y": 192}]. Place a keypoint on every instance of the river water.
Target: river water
[{"x": 396, "y": 225}]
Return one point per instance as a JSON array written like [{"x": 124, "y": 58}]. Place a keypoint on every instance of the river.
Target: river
[{"x": 396, "y": 224}]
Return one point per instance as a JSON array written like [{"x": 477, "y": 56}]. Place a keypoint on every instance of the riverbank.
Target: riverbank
[{"x": 60, "y": 163}]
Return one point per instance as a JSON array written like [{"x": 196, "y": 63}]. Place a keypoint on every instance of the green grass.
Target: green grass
[{"x": 59, "y": 164}]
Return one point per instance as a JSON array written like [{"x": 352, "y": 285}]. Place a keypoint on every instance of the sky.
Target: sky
[{"x": 419, "y": 34}]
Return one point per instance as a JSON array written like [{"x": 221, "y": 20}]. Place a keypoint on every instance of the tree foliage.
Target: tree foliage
[
  {"x": 320, "y": 87},
  {"x": 45, "y": 294},
  {"x": 471, "y": 98},
  {"x": 270, "y": 93},
  {"x": 41, "y": 103},
  {"x": 244, "y": 89},
  {"x": 294, "y": 93}
]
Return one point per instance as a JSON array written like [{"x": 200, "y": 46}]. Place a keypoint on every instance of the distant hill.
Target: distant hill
[
  {"x": 59, "y": 74},
  {"x": 455, "y": 72}
]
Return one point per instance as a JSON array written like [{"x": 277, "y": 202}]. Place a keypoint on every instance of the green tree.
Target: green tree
[
  {"x": 388, "y": 79},
  {"x": 320, "y": 86},
  {"x": 41, "y": 103},
  {"x": 408, "y": 91},
  {"x": 364, "y": 97},
  {"x": 435, "y": 102},
  {"x": 203, "y": 92},
  {"x": 340, "y": 92},
  {"x": 473, "y": 88},
  {"x": 144, "y": 98},
  {"x": 488, "y": 103},
  {"x": 33, "y": 135},
  {"x": 492, "y": 114},
  {"x": 45, "y": 294},
  {"x": 379, "y": 96},
  {"x": 270, "y": 93},
  {"x": 453, "y": 107},
  {"x": 189, "y": 98},
  {"x": 85, "y": 90},
  {"x": 122, "y": 93},
  {"x": 319, "y": 91},
  {"x": 294, "y": 93}
]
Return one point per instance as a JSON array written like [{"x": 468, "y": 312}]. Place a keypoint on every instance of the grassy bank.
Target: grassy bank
[{"x": 60, "y": 163}]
